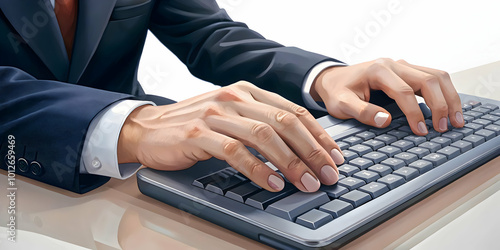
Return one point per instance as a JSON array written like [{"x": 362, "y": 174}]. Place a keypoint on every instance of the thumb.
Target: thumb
[{"x": 365, "y": 112}]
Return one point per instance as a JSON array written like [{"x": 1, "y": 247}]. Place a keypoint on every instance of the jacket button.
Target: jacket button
[
  {"x": 22, "y": 165},
  {"x": 36, "y": 168}
]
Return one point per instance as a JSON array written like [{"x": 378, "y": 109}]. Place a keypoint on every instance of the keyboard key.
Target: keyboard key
[
  {"x": 356, "y": 198},
  {"x": 450, "y": 152},
  {"x": 497, "y": 123},
  {"x": 263, "y": 198},
  {"x": 351, "y": 183},
  {"x": 421, "y": 165},
  {"x": 374, "y": 144},
  {"x": 476, "y": 140},
  {"x": 314, "y": 219},
  {"x": 483, "y": 122},
  {"x": 420, "y": 152},
  {"x": 395, "y": 164},
  {"x": 494, "y": 128},
  {"x": 464, "y": 131},
  {"x": 379, "y": 131},
  {"x": 406, "y": 129},
  {"x": 334, "y": 191},
  {"x": 488, "y": 134},
  {"x": 392, "y": 181},
  {"x": 473, "y": 114},
  {"x": 416, "y": 139},
  {"x": 353, "y": 140},
  {"x": 361, "y": 163},
  {"x": 481, "y": 110},
  {"x": 474, "y": 126},
  {"x": 341, "y": 176},
  {"x": 390, "y": 150},
  {"x": 453, "y": 136},
  {"x": 462, "y": 145},
  {"x": 336, "y": 208},
  {"x": 495, "y": 112},
  {"x": 296, "y": 204},
  {"x": 360, "y": 149},
  {"x": 468, "y": 118},
  {"x": 342, "y": 145},
  {"x": 466, "y": 107},
  {"x": 492, "y": 118},
  {"x": 349, "y": 155},
  {"x": 473, "y": 103},
  {"x": 401, "y": 120},
  {"x": 407, "y": 173},
  {"x": 240, "y": 193},
  {"x": 367, "y": 135},
  {"x": 221, "y": 186},
  {"x": 387, "y": 139},
  {"x": 382, "y": 170},
  {"x": 205, "y": 180},
  {"x": 376, "y": 157},
  {"x": 432, "y": 134},
  {"x": 443, "y": 141},
  {"x": 407, "y": 157},
  {"x": 489, "y": 106},
  {"x": 347, "y": 169},
  {"x": 367, "y": 176},
  {"x": 431, "y": 146},
  {"x": 375, "y": 189},
  {"x": 398, "y": 134},
  {"x": 403, "y": 145},
  {"x": 435, "y": 158}
]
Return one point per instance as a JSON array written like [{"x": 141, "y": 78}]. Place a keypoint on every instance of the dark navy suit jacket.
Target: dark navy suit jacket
[{"x": 47, "y": 102}]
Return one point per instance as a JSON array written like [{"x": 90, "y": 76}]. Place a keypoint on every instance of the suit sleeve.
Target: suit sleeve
[
  {"x": 49, "y": 121},
  {"x": 219, "y": 50}
]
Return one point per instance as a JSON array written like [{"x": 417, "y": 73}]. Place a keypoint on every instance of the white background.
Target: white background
[{"x": 449, "y": 35}]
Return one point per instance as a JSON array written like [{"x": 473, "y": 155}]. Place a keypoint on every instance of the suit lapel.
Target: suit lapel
[
  {"x": 93, "y": 17},
  {"x": 36, "y": 23}
]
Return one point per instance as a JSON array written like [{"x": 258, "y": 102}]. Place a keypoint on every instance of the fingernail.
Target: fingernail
[
  {"x": 422, "y": 128},
  {"x": 459, "y": 117},
  {"x": 310, "y": 183},
  {"x": 328, "y": 174},
  {"x": 443, "y": 124},
  {"x": 275, "y": 182},
  {"x": 337, "y": 157},
  {"x": 380, "y": 118}
]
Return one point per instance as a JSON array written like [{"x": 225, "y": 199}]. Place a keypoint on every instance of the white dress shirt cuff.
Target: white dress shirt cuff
[
  {"x": 309, "y": 79},
  {"x": 99, "y": 155}
]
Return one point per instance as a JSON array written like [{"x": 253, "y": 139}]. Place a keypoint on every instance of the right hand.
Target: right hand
[{"x": 219, "y": 124}]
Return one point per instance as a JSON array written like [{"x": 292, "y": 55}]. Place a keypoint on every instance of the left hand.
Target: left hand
[{"x": 346, "y": 92}]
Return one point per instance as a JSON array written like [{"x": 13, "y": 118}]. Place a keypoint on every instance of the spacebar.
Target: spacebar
[{"x": 296, "y": 204}]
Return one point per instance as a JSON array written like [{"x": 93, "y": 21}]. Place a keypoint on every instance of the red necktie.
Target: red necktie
[{"x": 66, "y": 13}]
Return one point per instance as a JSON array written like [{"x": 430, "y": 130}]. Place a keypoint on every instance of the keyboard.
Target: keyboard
[{"x": 385, "y": 171}]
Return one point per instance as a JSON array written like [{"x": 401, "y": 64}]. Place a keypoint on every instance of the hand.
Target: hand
[
  {"x": 219, "y": 124},
  {"x": 346, "y": 92}
]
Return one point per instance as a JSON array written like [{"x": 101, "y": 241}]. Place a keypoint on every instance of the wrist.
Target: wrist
[
  {"x": 317, "y": 87},
  {"x": 130, "y": 134}
]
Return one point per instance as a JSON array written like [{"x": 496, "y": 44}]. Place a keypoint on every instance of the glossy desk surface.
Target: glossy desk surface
[{"x": 118, "y": 216}]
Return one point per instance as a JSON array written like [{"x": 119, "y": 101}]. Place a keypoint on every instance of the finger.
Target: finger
[
  {"x": 292, "y": 131},
  {"x": 304, "y": 116},
  {"x": 351, "y": 106},
  {"x": 449, "y": 92},
  {"x": 264, "y": 139},
  {"x": 430, "y": 88},
  {"x": 385, "y": 79},
  {"x": 237, "y": 156}
]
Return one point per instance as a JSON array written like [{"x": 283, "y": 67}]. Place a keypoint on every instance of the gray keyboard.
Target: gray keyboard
[{"x": 385, "y": 170}]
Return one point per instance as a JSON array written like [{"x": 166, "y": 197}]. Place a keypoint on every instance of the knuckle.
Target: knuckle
[
  {"x": 263, "y": 132},
  {"x": 231, "y": 147},
  {"x": 441, "y": 108},
  {"x": 315, "y": 155},
  {"x": 226, "y": 94},
  {"x": 402, "y": 61},
  {"x": 195, "y": 129},
  {"x": 443, "y": 74},
  {"x": 294, "y": 164},
  {"x": 286, "y": 118},
  {"x": 212, "y": 108},
  {"x": 384, "y": 61},
  {"x": 430, "y": 80},
  {"x": 254, "y": 167},
  {"x": 299, "y": 110},
  {"x": 405, "y": 90}
]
